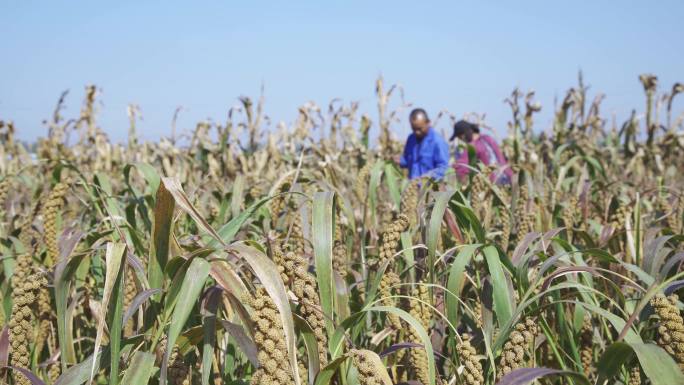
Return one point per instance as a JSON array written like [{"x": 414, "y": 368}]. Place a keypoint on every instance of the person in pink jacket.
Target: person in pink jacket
[{"x": 486, "y": 150}]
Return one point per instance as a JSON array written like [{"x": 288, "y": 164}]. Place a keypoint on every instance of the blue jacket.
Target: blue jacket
[{"x": 425, "y": 157}]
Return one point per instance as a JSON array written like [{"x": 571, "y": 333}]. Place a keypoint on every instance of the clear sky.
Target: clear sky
[{"x": 463, "y": 56}]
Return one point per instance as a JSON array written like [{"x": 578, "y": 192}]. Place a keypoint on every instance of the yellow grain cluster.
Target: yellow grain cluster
[
  {"x": 279, "y": 203},
  {"x": 214, "y": 211},
  {"x": 505, "y": 217},
  {"x": 51, "y": 210},
  {"x": 297, "y": 240},
  {"x": 361, "y": 183},
  {"x": 671, "y": 327},
  {"x": 479, "y": 197},
  {"x": 619, "y": 218},
  {"x": 339, "y": 256},
  {"x": 178, "y": 372},
  {"x": 256, "y": 191},
  {"x": 4, "y": 190},
  {"x": 304, "y": 286},
  {"x": 477, "y": 309},
  {"x": 524, "y": 213},
  {"x": 369, "y": 373},
  {"x": 28, "y": 236},
  {"x": 279, "y": 260},
  {"x": 303, "y": 371},
  {"x": 391, "y": 237},
  {"x": 21, "y": 323},
  {"x": 587, "y": 345},
  {"x": 269, "y": 337},
  {"x": 22, "y": 269},
  {"x": 340, "y": 259},
  {"x": 387, "y": 286},
  {"x": 44, "y": 313},
  {"x": 130, "y": 292},
  {"x": 385, "y": 213},
  {"x": 409, "y": 200},
  {"x": 54, "y": 370},
  {"x": 421, "y": 312},
  {"x": 519, "y": 345},
  {"x": 634, "y": 375},
  {"x": 425, "y": 305},
  {"x": 389, "y": 280},
  {"x": 472, "y": 368},
  {"x": 570, "y": 215}
]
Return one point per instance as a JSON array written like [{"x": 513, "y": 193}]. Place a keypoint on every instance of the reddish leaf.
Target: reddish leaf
[
  {"x": 452, "y": 225},
  {"x": 4, "y": 346},
  {"x": 522, "y": 247},
  {"x": 137, "y": 301},
  {"x": 399, "y": 346}
]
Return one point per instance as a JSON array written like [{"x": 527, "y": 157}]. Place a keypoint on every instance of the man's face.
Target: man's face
[{"x": 420, "y": 125}]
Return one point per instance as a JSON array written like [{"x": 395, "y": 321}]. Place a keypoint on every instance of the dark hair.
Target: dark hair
[
  {"x": 418, "y": 111},
  {"x": 461, "y": 127}
]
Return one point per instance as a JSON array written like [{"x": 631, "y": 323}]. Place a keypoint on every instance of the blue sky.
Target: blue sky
[{"x": 463, "y": 56}]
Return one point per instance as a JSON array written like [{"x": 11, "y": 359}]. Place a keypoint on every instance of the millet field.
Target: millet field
[{"x": 248, "y": 253}]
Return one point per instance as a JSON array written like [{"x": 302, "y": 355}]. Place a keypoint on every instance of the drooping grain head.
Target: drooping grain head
[
  {"x": 387, "y": 287},
  {"x": 518, "y": 347},
  {"x": 418, "y": 356},
  {"x": 505, "y": 218},
  {"x": 297, "y": 242},
  {"x": 269, "y": 337},
  {"x": 370, "y": 370},
  {"x": 51, "y": 211},
  {"x": 634, "y": 375},
  {"x": 570, "y": 215},
  {"x": 361, "y": 183},
  {"x": 279, "y": 203},
  {"x": 671, "y": 326},
  {"x": 409, "y": 200},
  {"x": 5, "y": 186},
  {"x": 130, "y": 291},
  {"x": 472, "y": 368},
  {"x": 304, "y": 286},
  {"x": 22, "y": 323},
  {"x": 178, "y": 369},
  {"x": 340, "y": 259},
  {"x": 587, "y": 346},
  {"x": 391, "y": 237}
]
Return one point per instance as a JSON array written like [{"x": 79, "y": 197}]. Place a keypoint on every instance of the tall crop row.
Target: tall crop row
[{"x": 301, "y": 254}]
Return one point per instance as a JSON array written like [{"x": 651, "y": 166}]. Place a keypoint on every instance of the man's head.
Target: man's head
[{"x": 420, "y": 123}]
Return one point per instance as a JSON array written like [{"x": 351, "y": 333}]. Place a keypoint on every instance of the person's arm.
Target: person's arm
[
  {"x": 440, "y": 159},
  {"x": 500, "y": 158}
]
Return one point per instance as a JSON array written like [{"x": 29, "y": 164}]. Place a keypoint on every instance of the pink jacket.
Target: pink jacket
[{"x": 484, "y": 146}]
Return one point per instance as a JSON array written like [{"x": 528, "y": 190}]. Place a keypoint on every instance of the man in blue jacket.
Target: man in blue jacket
[{"x": 426, "y": 153}]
